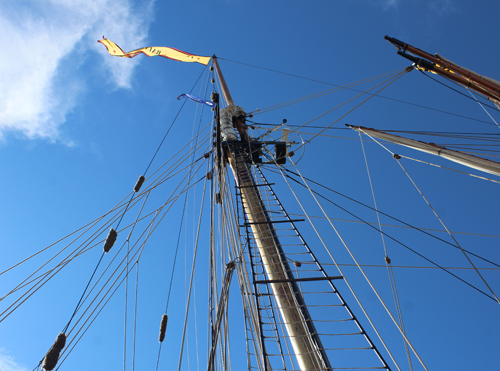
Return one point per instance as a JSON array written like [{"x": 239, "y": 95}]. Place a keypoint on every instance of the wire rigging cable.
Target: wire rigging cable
[
  {"x": 451, "y": 234},
  {"x": 379, "y": 96},
  {"x": 395, "y": 240},
  {"x": 178, "y": 240},
  {"x": 381, "y": 212},
  {"x": 388, "y": 262},
  {"x": 285, "y": 177},
  {"x": 455, "y": 90},
  {"x": 135, "y": 257}
]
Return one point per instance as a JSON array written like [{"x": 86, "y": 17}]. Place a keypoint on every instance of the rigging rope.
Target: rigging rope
[
  {"x": 385, "y": 214},
  {"x": 399, "y": 242},
  {"x": 139, "y": 251},
  {"x": 78, "y": 251},
  {"x": 135, "y": 311},
  {"x": 482, "y": 106},
  {"x": 389, "y": 82},
  {"x": 364, "y": 274},
  {"x": 402, "y": 226},
  {"x": 192, "y": 276},
  {"x": 442, "y": 223},
  {"x": 338, "y": 268},
  {"x": 387, "y": 260},
  {"x": 379, "y": 96},
  {"x": 77, "y": 305},
  {"x": 141, "y": 248},
  {"x": 451, "y": 235},
  {"x": 324, "y": 92},
  {"x": 449, "y": 168},
  {"x": 459, "y": 92}
]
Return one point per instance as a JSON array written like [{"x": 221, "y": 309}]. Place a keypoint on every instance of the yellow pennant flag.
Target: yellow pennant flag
[{"x": 152, "y": 51}]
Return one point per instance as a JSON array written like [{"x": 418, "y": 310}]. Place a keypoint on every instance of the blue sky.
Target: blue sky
[{"x": 77, "y": 127}]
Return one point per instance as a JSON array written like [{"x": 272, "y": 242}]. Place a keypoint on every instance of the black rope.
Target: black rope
[
  {"x": 359, "y": 91},
  {"x": 459, "y": 92},
  {"x": 84, "y": 291},
  {"x": 391, "y": 217},
  {"x": 173, "y": 122},
  {"x": 38, "y": 366},
  {"x": 392, "y": 238},
  {"x": 160, "y": 145},
  {"x": 181, "y": 224}
]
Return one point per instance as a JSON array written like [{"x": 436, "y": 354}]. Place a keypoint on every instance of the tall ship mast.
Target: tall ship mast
[{"x": 283, "y": 287}]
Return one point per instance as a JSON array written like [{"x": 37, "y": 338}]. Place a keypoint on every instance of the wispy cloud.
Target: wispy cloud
[
  {"x": 7, "y": 363},
  {"x": 39, "y": 86},
  {"x": 441, "y": 7},
  {"x": 388, "y": 4},
  {"x": 438, "y": 7}
]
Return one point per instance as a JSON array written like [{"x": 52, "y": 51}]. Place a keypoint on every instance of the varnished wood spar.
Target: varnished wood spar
[
  {"x": 225, "y": 90},
  {"x": 485, "y": 86},
  {"x": 298, "y": 323}
]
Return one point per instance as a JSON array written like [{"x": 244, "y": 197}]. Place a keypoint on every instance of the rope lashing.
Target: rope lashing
[
  {"x": 138, "y": 185},
  {"x": 110, "y": 240},
  {"x": 163, "y": 327},
  {"x": 227, "y": 115},
  {"x": 52, "y": 356}
]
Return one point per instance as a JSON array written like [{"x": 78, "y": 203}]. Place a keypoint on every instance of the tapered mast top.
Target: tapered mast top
[{"x": 225, "y": 89}]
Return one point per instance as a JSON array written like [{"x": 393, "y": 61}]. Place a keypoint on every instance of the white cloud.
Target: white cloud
[
  {"x": 37, "y": 36},
  {"x": 387, "y": 4},
  {"x": 8, "y": 364},
  {"x": 441, "y": 7}
]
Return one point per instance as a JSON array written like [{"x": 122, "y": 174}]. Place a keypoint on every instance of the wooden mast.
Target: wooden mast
[{"x": 298, "y": 323}]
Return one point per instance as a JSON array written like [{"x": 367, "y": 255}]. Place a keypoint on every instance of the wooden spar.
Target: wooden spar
[
  {"x": 493, "y": 81},
  {"x": 303, "y": 336},
  {"x": 225, "y": 90},
  {"x": 485, "y": 86},
  {"x": 220, "y": 312},
  {"x": 471, "y": 161}
]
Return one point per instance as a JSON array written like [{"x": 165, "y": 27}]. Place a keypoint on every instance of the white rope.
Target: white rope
[
  {"x": 424, "y": 162},
  {"x": 451, "y": 234},
  {"x": 482, "y": 106},
  {"x": 335, "y": 262},
  {"x": 400, "y": 226},
  {"x": 361, "y": 270},
  {"x": 351, "y": 110},
  {"x": 448, "y": 168},
  {"x": 440, "y": 220},
  {"x": 388, "y": 264},
  {"x": 192, "y": 276},
  {"x": 135, "y": 312}
]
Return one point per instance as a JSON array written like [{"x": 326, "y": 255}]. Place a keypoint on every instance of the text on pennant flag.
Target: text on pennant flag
[{"x": 151, "y": 51}]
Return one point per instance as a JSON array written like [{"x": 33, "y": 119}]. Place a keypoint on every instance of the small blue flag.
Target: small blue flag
[{"x": 196, "y": 99}]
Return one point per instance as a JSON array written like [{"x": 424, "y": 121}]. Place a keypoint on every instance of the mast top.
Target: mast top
[{"x": 225, "y": 89}]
